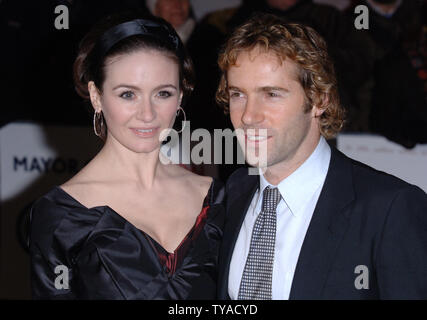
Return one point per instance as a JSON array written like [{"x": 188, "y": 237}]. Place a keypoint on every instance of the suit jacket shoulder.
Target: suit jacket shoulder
[{"x": 371, "y": 183}]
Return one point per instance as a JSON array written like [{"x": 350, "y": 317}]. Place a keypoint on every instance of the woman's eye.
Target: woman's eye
[
  {"x": 127, "y": 95},
  {"x": 164, "y": 94},
  {"x": 273, "y": 94}
]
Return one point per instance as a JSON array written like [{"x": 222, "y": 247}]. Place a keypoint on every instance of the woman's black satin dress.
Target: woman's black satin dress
[{"x": 109, "y": 258}]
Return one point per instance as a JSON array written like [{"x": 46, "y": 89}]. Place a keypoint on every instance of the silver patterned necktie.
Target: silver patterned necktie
[{"x": 256, "y": 283}]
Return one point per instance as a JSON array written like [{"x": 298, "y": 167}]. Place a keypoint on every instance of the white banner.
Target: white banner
[
  {"x": 378, "y": 152},
  {"x": 33, "y": 158}
]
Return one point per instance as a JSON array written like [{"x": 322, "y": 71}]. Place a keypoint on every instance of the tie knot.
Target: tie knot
[{"x": 270, "y": 199}]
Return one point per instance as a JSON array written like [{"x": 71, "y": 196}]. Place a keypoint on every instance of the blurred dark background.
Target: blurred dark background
[{"x": 381, "y": 71}]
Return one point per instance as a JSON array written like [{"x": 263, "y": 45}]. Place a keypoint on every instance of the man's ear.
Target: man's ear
[
  {"x": 95, "y": 96},
  {"x": 321, "y": 106}
]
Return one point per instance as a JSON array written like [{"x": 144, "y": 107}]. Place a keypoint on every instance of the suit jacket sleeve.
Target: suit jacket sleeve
[{"x": 401, "y": 263}]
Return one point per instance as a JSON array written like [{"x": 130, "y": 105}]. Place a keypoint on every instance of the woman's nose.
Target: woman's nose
[{"x": 145, "y": 111}]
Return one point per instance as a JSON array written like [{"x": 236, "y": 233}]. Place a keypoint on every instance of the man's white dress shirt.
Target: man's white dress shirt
[{"x": 300, "y": 192}]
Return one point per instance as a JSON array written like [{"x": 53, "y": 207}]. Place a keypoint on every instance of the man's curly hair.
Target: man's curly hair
[{"x": 299, "y": 43}]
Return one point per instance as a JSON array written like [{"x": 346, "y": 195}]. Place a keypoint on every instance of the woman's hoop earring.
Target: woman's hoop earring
[
  {"x": 97, "y": 117},
  {"x": 185, "y": 118}
]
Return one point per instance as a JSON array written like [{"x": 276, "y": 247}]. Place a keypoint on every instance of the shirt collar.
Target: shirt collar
[{"x": 301, "y": 185}]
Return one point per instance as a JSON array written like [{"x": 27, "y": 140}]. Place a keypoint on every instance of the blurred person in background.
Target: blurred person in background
[
  {"x": 399, "y": 95},
  {"x": 177, "y": 12}
]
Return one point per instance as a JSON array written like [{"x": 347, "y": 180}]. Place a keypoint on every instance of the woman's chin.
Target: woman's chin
[{"x": 146, "y": 147}]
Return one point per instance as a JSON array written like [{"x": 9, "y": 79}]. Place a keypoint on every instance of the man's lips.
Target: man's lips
[{"x": 256, "y": 139}]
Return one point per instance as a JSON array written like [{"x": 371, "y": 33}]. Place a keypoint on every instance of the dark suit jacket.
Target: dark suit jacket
[{"x": 363, "y": 217}]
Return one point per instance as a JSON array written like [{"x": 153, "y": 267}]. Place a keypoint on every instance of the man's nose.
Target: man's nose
[{"x": 252, "y": 113}]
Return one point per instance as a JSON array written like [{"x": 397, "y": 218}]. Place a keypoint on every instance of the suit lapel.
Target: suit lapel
[
  {"x": 239, "y": 199},
  {"x": 326, "y": 230}
]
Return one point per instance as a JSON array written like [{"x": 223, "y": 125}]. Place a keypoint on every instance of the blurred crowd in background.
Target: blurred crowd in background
[{"x": 381, "y": 71}]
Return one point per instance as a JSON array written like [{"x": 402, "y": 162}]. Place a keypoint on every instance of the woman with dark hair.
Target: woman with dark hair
[{"x": 128, "y": 226}]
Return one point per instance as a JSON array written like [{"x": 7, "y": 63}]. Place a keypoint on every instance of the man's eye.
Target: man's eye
[
  {"x": 164, "y": 94},
  {"x": 235, "y": 94},
  {"x": 127, "y": 95}
]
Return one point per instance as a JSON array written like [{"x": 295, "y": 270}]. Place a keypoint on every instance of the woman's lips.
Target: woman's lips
[{"x": 145, "y": 132}]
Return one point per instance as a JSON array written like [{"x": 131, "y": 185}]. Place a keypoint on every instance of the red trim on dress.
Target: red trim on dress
[{"x": 172, "y": 260}]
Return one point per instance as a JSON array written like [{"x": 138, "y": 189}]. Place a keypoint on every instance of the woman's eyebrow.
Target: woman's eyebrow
[
  {"x": 163, "y": 86},
  {"x": 123, "y": 85}
]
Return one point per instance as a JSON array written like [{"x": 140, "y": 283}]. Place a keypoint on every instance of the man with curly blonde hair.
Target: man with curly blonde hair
[{"x": 313, "y": 224}]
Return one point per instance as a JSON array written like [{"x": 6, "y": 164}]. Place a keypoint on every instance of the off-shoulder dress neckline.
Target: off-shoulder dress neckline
[{"x": 150, "y": 238}]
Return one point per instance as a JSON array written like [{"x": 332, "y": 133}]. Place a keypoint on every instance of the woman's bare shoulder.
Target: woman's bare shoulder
[{"x": 82, "y": 185}]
